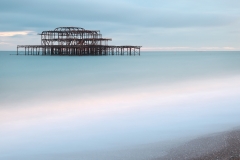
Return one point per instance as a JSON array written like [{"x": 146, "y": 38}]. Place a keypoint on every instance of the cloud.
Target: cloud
[
  {"x": 9, "y": 34},
  {"x": 155, "y": 23},
  {"x": 164, "y": 48},
  {"x": 163, "y": 15},
  {"x": 229, "y": 48},
  {"x": 189, "y": 49},
  {"x": 218, "y": 48},
  {"x": 1, "y": 43}
]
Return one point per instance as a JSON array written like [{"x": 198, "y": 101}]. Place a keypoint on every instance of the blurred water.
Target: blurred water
[{"x": 65, "y": 105}]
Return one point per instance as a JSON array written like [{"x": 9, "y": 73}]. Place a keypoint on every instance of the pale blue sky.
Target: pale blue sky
[{"x": 153, "y": 24}]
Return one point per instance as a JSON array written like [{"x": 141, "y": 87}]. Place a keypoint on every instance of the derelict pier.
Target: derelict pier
[{"x": 75, "y": 41}]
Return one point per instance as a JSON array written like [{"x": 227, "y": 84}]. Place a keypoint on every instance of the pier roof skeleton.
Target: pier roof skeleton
[{"x": 76, "y": 41}]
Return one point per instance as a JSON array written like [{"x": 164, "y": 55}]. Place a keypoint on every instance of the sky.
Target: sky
[{"x": 156, "y": 25}]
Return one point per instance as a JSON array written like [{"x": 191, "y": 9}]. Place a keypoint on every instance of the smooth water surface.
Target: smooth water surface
[{"x": 71, "y": 107}]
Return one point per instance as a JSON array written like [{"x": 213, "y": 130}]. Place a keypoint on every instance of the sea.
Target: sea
[{"x": 114, "y": 107}]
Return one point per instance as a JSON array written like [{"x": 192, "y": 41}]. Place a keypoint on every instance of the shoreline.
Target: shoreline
[{"x": 221, "y": 146}]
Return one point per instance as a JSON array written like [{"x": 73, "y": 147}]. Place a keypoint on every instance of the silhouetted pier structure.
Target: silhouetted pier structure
[{"x": 76, "y": 41}]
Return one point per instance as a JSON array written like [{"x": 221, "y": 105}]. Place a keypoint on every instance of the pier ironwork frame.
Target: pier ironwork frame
[{"x": 76, "y": 41}]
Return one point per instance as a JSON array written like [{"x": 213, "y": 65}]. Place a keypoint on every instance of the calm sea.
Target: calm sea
[{"x": 63, "y": 107}]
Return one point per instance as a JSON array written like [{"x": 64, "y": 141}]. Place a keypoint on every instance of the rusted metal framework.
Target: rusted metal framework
[{"x": 75, "y": 41}]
